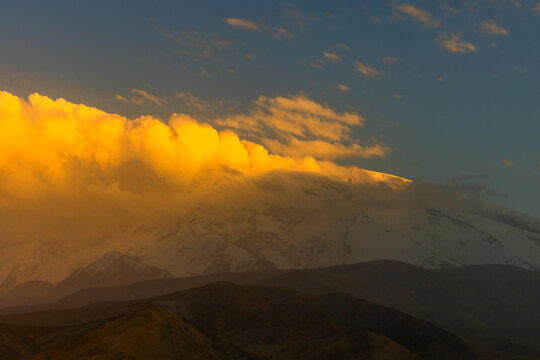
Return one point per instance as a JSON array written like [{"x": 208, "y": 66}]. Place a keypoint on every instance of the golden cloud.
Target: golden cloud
[
  {"x": 242, "y": 24},
  {"x": 141, "y": 97},
  {"x": 331, "y": 56},
  {"x": 49, "y": 146},
  {"x": 366, "y": 70},
  {"x": 76, "y": 179},
  {"x": 454, "y": 44},
  {"x": 425, "y": 18},
  {"x": 491, "y": 28},
  {"x": 298, "y": 126}
]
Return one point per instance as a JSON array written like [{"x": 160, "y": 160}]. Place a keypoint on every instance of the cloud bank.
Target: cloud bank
[{"x": 297, "y": 126}]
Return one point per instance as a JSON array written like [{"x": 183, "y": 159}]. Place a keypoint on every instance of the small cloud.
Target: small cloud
[
  {"x": 491, "y": 28},
  {"x": 449, "y": 9},
  {"x": 341, "y": 47},
  {"x": 280, "y": 33},
  {"x": 454, "y": 44},
  {"x": 343, "y": 88},
  {"x": 366, "y": 70},
  {"x": 494, "y": 45},
  {"x": 441, "y": 79},
  {"x": 232, "y": 71},
  {"x": 331, "y": 56},
  {"x": 507, "y": 163},
  {"x": 141, "y": 97},
  {"x": 425, "y": 18},
  {"x": 249, "y": 56},
  {"x": 190, "y": 99},
  {"x": 537, "y": 8},
  {"x": 390, "y": 59},
  {"x": 241, "y": 24},
  {"x": 399, "y": 96},
  {"x": 203, "y": 71},
  {"x": 194, "y": 44}
]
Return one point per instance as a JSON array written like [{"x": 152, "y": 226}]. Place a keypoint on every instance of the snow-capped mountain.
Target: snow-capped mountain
[
  {"x": 112, "y": 269},
  {"x": 302, "y": 220},
  {"x": 292, "y": 220}
]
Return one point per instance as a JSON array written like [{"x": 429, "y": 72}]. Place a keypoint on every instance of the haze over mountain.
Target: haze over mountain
[
  {"x": 303, "y": 220},
  {"x": 493, "y": 307},
  {"x": 224, "y": 321},
  {"x": 112, "y": 269}
]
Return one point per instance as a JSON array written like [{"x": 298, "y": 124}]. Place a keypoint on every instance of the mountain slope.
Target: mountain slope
[
  {"x": 296, "y": 220},
  {"x": 243, "y": 322},
  {"x": 112, "y": 269},
  {"x": 494, "y": 306}
]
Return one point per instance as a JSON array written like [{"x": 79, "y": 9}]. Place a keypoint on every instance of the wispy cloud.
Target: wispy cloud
[
  {"x": 453, "y": 43},
  {"x": 331, "y": 56},
  {"x": 280, "y": 33},
  {"x": 449, "y": 8},
  {"x": 422, "y": 16},
  {"x": 340, "y": 47},
  {"x": 366, "y": 70},
  {"x": 343, "y": 88},
  {"x": 537, "y": 8},
  {"x": 298, "y": 126},
  {"x": 390, "y": 59},
  {"x": 490, "y": 27},
  {"x": 507, "y": 163},
  {"x": 193, "y": 43},
  {"x": 141, "y": 97},
  {"x": 242, "y": 24}
]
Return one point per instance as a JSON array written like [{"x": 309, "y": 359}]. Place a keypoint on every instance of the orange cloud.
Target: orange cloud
[
  {"x": 321, "y": 149},
  {"x": 390, "y": 59},
  {"x": 331, "y": 56},
  {"x": 507, "y": 163},
  {"x": 76, "y": 181},
  {"x": 242, "y": 24},
  {"x": 425, "y": 18},
  {"x": 49, "y": 146},
  {"x": 141, "y": 97},
  {"x": 366, "y": 70},
  {"x": 491, "y": 28},
  {"x": 297, "y": 126},
  {"x": 454, "y": 44}
]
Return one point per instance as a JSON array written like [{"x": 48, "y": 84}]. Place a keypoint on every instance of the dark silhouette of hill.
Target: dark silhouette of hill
[
  {"x": 494, "y": 307},
  {"x": 227, "y": 321}
]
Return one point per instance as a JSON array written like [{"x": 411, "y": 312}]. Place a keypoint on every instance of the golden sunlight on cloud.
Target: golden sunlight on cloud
[
  {"x": 46, "y": 142},
  {"x": 298, "y": 126},
  {"x": 242, "y": 24},
  {"x": 76, "y": 176},
  {"x": 331, "y": 56},
  {"x": 491, "y": 28},
  {"x": 54, "y": 146},
  {"x": 390, "y": 59},
  {"x": 507, "y": 163},
  {"x": 343, "y": 88},
  {"x": 366, "y": 70},
  {"x": 454, "y": 44},
  {"x": 141, "y": 97},
  {"x": 425, "y": 18}
]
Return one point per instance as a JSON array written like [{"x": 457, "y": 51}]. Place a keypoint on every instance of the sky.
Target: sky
[{"x": 439, "y": 91}]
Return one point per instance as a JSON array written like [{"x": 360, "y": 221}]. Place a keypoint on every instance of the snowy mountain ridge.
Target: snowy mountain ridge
[{"x": 300, "y": 220}]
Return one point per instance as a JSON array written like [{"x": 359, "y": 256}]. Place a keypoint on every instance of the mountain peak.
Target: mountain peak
[{"x": 112, "y": 269}]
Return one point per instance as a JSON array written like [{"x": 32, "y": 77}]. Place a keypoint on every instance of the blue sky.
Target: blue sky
[{"x": 451, "y": 87}]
